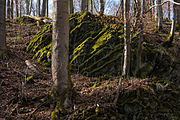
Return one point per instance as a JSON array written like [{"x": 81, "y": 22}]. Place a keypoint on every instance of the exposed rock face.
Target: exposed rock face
[{"x": 96, "y": 48}]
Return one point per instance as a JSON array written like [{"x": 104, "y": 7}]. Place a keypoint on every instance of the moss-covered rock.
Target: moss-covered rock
[
  {"x": 96, "y": 48},
  {"x": 29, "y": 20}
]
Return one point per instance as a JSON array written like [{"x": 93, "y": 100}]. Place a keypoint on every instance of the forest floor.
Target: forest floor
[{"x": 20, "y": 99}]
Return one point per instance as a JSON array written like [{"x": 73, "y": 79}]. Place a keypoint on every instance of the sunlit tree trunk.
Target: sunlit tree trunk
[
  {"x": 126, "y": 64},
  {"x": 90, "y": 6},
  {"x": 16, "y": 8},
  {"x": 2, "y": 27},
  {"x": 38, "y": 8},
  {"x": 8, "y": 9},
  {"x": 60, "y": 52},
  {"x": 171, "y": 35}
]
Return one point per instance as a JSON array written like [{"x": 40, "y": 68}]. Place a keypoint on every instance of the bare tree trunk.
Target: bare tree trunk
[
  {"x": 60, "y": 53},
  {"x": 47, "y": 8},
  {"x": 153, "y": 10},
  {"x": 43, "y": 11},
  {"x": 139, "y": 50},
  {"x": 27, "y": 7},
  {"x": 20, "y": 10},
  {"x": 8, "y": 9},
  {"x": 126, "y": 64},
  {"x": 101, "y": 6},
  {"x": 16, "y": 9},
  {"x": 31, "y": 6},
  {"x": 160, "y": 16},
  {"x": 71, "y": 7},
  {"x": 171, "y": 35},
  {"x": 122, "y": 9},
  {"x": 2, "y": 27},
  {"x": 38, "y": 8},
  {"x": 169, "y": 10},
  {"x": 90, "y": 6},
  {"x": 84, "y": 6},
  {"x": 178, "y": 14},
  {"x": 12, "y": 9}
]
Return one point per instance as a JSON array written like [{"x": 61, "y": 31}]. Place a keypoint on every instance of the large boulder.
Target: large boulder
[{"x": 96, "y": 48}]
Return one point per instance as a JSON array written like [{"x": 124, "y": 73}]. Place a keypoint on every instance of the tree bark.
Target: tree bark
[
  {"x": 139, "y": 50},
  {"x": 169, "y": 10},
  {"x": 16, "y": 9},
  {"x": 101, "y": 6},
  {"x": 8, "y": 9},
  {"x": 20, "y": 10},
  {"x": 47, "y": 8},
  {"x": 84, "y": 6},
  {"x": 2, "y": 26},
  {"x": 38, "y": 8},
  {"x": 126, "y": 64},
  {"x": 12, "y": 9},
  {"x": 160, "y": 16},
  {"x": 122, "y": 9},
  {"x": 60, "y": 52},
  {"x": 71, "y": 7},
  {"x": 27, "y": 7},
  {"x": 171, "y": 35},
  {"x": 43, "y": 12},
  {"x": 90, "y": 6},
  {"x": 178, "y": 14}
]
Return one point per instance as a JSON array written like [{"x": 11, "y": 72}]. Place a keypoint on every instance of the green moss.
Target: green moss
[
  {"x": 177, "y": 27},
  {"x": 95, "y": 49}
]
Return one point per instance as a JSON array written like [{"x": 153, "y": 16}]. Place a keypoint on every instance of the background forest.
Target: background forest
[{"x": 89, "y": 59}]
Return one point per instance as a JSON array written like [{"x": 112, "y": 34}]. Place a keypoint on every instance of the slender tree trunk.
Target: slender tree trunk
[
  {"x": 178, "y": 14},
  {"x": 84, "y": 6},
  {"x": 122, "y": 9},
  {"x": 27, "y": 7},
  {"x": 71, "y": 7},
  {"x": 160, "y": 16},
  {"x": 8, "y": 9},
  {"x": 31, "y": 6},
  {"x": 171, "y": 35},
  {"x": 153, "y": 10},
  {"x": 101, "y": 6},
  {"x": 2, "y": 27},
  {"x": 90, "y": 6},
  {"x": 60, "y": 52},
  {"x": 47, "y": 8},
  {"x": 38, "y": 8},
  {"x": 169, "y": 10},
  {"x": 20, "y": 10},
  {"x": 126, "y": 64},
  {"x": 16, "y": 9},
  {"x": 139, "y": 50},
  {"x": 43, "y": 11},
  {"x": 12, "y": 9}
]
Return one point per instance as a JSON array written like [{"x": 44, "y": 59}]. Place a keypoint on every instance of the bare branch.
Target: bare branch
[{"x": 157, "y": 5}]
